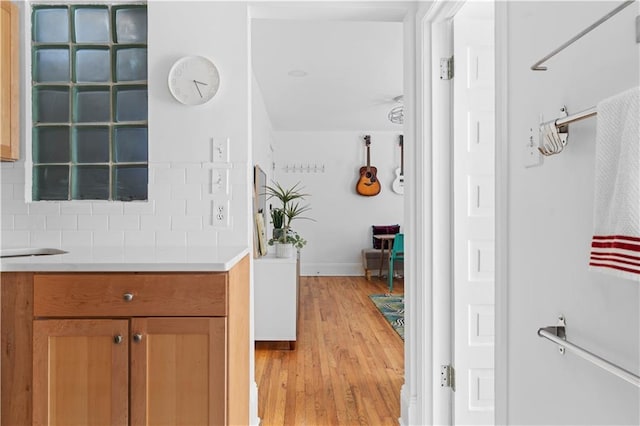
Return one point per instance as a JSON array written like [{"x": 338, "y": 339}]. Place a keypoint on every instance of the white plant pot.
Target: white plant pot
[{"x": 284, "y": 250}]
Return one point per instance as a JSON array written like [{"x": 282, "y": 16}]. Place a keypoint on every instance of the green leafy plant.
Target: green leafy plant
[{"x": 291, "y": 209}]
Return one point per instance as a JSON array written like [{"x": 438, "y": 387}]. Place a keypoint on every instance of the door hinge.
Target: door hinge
[
  {"x": 446, "y": 68},
  {"x": 448, "y": 377}
]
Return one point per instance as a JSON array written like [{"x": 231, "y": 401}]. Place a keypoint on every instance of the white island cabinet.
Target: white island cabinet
[{"x": 276, "y": 294}]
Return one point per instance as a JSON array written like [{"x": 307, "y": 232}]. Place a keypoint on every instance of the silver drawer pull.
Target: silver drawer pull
[
  {"x": 137, "y": 337},
  {"x": 128, "y": 297},
  {"x": 117, "y": 339}
]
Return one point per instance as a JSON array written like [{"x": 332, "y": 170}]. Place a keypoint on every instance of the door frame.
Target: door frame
[{"x": 429, "y": 306}]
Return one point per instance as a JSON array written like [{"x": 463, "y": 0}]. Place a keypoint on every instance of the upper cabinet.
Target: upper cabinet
[{"x": 9, "y": 82}]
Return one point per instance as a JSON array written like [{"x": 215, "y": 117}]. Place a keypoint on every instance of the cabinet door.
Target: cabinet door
[
  {"x": 9, "y": 81},
  {"x": 178, "y": 371},
  {"x": 80, "y": 372}
]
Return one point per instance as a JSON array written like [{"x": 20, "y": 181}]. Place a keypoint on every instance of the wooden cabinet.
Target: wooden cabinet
[
  {"x": 276, "y": 299},
  {"x": 9, "y": 82},
  {"x": 80, "y": 372},
  {"x": 126, "y": 348}
]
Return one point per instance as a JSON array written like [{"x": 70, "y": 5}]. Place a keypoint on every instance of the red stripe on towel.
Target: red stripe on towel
[
  {"x": 621, "y": 255},
  {"x": 616, "y": 245},
  {"x": 618, "y": 252},
  {"x": 616, "y": 237},
  {"x": 615, "y": 258},
  {"x": 619, "y": 268}
]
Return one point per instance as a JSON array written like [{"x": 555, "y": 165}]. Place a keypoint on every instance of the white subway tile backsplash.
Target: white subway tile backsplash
[
  {"x": 75, "y": 207},
  {"x": 186, "y": 223},
  {"x": 108, "y": 238},
  {"x": 30, "y": 223},
  {"x": 93, "y": 223},
  {"x": 124, "y": 223},
  {"x": 139, "y": 238},
  {"x": 155, "y": 223},
  {"x": 186, "y": 192},
  {"x": 47, "y": 208},
  {"x": 6, "y": 192},
  {"x": 69, "y": 222},
  {"x": 77, "y": 239},
  {"x": 159, "y": 192},
  {"x": 170, "y": 176},
  {"x": 46, "y": 239},
  {"x": 170, "y": 207},
  {"x": 198, "y": 175},
  {"x": 14, "y": 238},
  {"x": 198, "y": 207},
  {"x": 171, "y": 239},
  {"x": 15, "y": 207},
  {"x": 107, "y": 207},
  {"x": 6, "y": 222},
  {"x": 139, "y": 207},
  {"x": 12, "y": 175},
  {"x": 202, "y": 238}
]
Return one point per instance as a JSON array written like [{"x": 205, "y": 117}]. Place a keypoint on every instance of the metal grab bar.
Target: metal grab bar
[
  {"x": 557, "y": 335},
  {"x": 537, "y": 66}
]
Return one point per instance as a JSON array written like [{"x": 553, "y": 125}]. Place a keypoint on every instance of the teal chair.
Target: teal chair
[{"x": 396, "y": 253}]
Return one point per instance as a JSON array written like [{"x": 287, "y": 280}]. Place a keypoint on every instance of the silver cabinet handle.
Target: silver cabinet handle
[
  {"x": 117, "y": 339},
  {"x": 128, "y": 297},
  {"x": 137, "y": 337}
]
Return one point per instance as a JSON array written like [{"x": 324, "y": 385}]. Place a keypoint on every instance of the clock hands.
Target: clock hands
[{"x": 196, "y": 82}]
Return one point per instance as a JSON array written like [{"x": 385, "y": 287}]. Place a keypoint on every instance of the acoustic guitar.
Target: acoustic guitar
[
  {"x": 368, "y": 184},
  {"x": 398, "y": 182}
]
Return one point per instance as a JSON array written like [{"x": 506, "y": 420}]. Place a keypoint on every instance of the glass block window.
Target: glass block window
[{"x": 90, "y": 102}]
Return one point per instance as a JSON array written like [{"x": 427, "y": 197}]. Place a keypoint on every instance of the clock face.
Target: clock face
[{"x": 193, "y": 80}]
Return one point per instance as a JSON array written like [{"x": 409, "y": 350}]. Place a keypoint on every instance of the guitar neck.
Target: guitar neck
[
  {"x": 401, "y": 155},
  {"x": 367, "y": 139}
]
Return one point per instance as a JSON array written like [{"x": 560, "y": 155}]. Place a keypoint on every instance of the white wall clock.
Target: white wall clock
[{"x": 193, "y": 80}]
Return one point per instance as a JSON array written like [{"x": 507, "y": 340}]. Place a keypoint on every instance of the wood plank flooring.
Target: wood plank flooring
[{"x": 348, "y": 364}]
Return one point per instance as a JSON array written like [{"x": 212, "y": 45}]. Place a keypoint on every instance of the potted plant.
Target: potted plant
[
  {"x": 277, "y": 219},
  {"x": 284, "y": 237}
]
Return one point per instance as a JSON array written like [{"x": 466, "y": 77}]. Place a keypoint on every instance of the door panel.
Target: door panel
[
  {"x": 474, "y": 200},
  {"x": 178, "y": 371},
  {"x": 80, "y": 374}
]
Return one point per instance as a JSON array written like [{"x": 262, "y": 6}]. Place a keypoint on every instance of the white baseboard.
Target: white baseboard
[
  {"x": 408, "y": 407},
  {"x": 331, "y": 269},
  {"x": 254, "y": 420}
]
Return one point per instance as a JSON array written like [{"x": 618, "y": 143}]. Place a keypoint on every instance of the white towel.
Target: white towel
[{"x": 615, "y": 247}]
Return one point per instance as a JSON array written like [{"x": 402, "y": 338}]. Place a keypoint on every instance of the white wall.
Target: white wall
[
  {"x": 178, "y": 212},
  {"x": 262, "y": 130},
  {"x": 343, "y": 219},
  {"x": 550, "y": 222}
]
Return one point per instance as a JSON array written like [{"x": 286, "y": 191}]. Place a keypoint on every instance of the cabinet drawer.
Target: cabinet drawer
[{"x": 129, "y": 294}]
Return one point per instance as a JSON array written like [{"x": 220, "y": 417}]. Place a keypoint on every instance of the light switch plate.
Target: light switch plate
[
  {"x": 220, "y": 150},
  {"x": 220, "y": 181},
  {"x": 531, "y": 156}
]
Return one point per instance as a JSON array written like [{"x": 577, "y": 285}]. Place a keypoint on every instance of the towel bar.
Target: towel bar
[
  {"x": 538, "y": 65},
  {"x": 557, "y": 335}
]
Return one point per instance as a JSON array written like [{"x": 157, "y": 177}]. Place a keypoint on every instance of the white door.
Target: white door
[{"x": 473, "y": 196}]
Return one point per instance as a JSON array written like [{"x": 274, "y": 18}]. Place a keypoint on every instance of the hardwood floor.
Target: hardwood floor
[{"x": 348, "y": 364}]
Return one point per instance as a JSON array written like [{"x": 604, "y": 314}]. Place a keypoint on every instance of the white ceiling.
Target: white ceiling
[{"x": 354, "y": 70}]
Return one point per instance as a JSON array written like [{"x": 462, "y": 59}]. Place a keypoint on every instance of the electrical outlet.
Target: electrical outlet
[
  {"x": 220, "y": 213},
  {"x": 220, "y": 181},
  {"x": 220, "y": 150}
]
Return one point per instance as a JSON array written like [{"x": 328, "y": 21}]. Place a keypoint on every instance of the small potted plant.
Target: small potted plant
[
  {"x": 277, "y": 219},
  {"x": 286, "y": 239}
]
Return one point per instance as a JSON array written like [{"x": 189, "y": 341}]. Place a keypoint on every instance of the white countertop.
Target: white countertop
[{"x": 87, "y": 259}]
